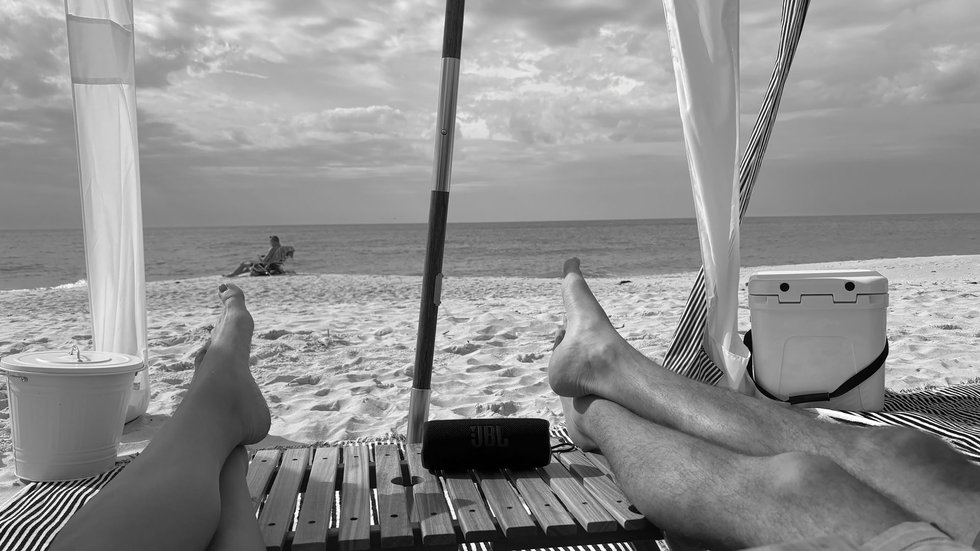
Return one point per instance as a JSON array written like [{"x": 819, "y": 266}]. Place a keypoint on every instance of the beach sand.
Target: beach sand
[{"x": 333, "y": 354}]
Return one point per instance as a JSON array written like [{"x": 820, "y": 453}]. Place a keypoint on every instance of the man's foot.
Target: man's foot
[
  {"x": 574, "y": 409},
  {"x": 223, "y": 376},
  {"x": 589, "y": 347}
]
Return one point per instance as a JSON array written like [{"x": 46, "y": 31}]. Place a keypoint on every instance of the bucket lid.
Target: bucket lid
[
  {"x": 844, "y": 285},
  {"x": 73, "y": 362}
]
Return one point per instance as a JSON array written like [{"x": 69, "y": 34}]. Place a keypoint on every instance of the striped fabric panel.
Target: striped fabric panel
[
  {"x": 685, "y": 354},
  {"x": 34, "y": 516}
]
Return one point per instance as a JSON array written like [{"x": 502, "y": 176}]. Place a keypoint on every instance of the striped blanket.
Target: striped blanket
[{"x": 34, "y": 516}]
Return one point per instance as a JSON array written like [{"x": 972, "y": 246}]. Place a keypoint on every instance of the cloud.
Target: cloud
[
  {"x": 33, "y": 61},
  {"x": 331, "y": 104},
  {"x": 559, "y": 23}
]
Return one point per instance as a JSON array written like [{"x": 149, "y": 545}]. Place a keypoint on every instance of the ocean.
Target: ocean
[{"x": 608, "y": 248}]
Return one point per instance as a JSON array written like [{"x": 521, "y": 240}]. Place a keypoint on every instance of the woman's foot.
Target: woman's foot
[
  {"x": 588, "y": 348},
  {"x": 223, "y": 377}
]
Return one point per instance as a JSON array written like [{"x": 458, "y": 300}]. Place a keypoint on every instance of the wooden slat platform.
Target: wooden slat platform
[{"x": 380, "y": 497}]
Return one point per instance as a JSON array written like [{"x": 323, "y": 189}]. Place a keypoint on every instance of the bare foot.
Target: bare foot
[
  {"x": 589, "y": 347},
  {"x": 223, "y": 374},
  {"x": 574, "y": 409}
]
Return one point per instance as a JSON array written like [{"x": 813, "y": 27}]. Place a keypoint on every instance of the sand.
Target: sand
[{"x": 333, "y": 354}]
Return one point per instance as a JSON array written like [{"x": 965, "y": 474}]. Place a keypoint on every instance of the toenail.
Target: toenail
[{"x": 222, "y": 287}]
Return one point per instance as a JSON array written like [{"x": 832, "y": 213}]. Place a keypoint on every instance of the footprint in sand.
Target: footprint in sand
[
  {"x": 357, "y": 377},
  {"x": 484, "y": 368},
  {"x": 505, "y": 409},
  {"x": 308, "y": 379},
  {"x": 278, "y": 349},
  {"x": 177, "y": 366},
  {"x": 462, "y": 349},
  {"x": 273, "y": 334},
  {"x": 530, "y": 357}
]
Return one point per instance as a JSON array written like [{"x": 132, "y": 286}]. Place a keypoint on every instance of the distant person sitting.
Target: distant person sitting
[{"x": 270, "y": 263}]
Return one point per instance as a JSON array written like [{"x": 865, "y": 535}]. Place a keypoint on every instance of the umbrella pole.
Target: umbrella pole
[{"x": 418, "y": 410}]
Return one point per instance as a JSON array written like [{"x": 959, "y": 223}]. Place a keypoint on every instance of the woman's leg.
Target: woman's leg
[
  {"x": 168, "y": 498},
  {"x": 237, "y": 528},
  {"x": 241, "y": 269}
]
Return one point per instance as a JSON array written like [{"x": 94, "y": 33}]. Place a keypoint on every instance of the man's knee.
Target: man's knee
[{"x": 797, "y": 473}]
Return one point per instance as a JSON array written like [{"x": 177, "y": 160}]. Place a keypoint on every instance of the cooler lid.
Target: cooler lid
[
  {"x": 844, "y": 285},
  {"x": 72, "y": 362}
]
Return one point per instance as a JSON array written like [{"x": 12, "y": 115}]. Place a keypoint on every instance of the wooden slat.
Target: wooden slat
[
  {"x": 603, "y": 490},
  {"x": 396, "y": 530},
  {"x": 601, "y": 462},
  {"x": 471, "y": 512},
  {"x": 506, "y": 505},
  {"x": 355, "y": 500},
  {"x": 314, "y": 515},
  {"x": 579, "y": 502},
  {"x": 277, "y": 515},
  {"x": 544, "y": 505},
  {"x": 430, "y": 503},
  {"x": 260, "y": 471}
]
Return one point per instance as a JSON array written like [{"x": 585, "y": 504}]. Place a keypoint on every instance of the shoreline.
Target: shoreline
[
  {"x": 333, "y": 354},
  {"x": 83, "y": 284}
]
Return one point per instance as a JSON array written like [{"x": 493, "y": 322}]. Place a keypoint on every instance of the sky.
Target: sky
[{"x": 323, "y": 112}]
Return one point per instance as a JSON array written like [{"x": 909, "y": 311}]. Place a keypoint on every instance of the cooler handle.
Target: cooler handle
[{"x": 843, "y": 389}]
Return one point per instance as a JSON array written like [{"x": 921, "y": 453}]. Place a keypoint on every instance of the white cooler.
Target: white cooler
[{"x": 813, "y": 332}]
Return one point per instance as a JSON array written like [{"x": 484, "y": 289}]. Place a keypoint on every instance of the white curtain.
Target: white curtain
[
  {"x": 704, "y": 45},
  {"x": 101, "y": 59}
]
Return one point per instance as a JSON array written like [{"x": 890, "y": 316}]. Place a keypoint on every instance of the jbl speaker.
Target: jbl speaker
[{"x": 486, "y": 444}]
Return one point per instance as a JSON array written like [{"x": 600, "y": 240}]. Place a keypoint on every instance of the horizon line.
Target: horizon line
[{"x": 547, "y": 221}]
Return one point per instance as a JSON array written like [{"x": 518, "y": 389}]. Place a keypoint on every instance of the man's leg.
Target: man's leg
[
  {"x": 721, "y": 498},
  {"x": 168, "y": 497},
  {"x": 917, "y": 471}
]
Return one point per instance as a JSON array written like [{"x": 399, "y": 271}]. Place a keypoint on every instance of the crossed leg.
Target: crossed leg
[
  {"x": 710, "y": 450},
  {"x": 187, "y": 489}
]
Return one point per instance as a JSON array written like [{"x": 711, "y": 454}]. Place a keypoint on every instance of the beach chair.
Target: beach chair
[
  {"x": 371, "y": 496},
  {"x": 377, "y": 495},
  {"x": 275, "y": 267}
]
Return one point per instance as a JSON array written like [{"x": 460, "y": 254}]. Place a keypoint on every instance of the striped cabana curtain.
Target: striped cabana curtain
[
  {"x": 687, "y": 353},
  {"x": 101, "y": 60}
]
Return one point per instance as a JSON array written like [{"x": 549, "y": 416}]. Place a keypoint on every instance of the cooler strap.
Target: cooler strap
[{"x": 843, "y": 389}]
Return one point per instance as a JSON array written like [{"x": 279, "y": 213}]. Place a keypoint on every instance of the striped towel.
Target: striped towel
[
  {"x": 32, "y": 518},
  {"x": 951, "y": 413}
]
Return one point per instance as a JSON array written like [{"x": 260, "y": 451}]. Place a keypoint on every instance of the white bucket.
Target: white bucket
[{"x": 67, "y": 411}]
